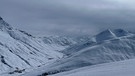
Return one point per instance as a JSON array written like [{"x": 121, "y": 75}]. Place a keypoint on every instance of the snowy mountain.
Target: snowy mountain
[
  {"x": 105, "y": 47},
  {"x": 65, "y": 41},
  {"x": 59, "y": 42},
  {"x": 20, "y": 50}
]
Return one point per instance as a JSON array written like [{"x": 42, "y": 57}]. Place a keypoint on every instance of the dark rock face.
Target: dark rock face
[{"x": 1, "y": 18}]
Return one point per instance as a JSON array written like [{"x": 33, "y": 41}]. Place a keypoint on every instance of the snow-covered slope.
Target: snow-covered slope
[
  {"x": 122, "y": 68},
  {"x": 64, "y": 42},
  {"x": 19, "y": 49},
  {"x": 59, "y": 42},
  {"x": 107, "y": 46}
]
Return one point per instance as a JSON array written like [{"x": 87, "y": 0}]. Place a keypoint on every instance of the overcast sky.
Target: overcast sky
[{"x": 68, "y": 17}]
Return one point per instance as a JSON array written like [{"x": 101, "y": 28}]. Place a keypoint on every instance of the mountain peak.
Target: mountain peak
[
  {"x": 4, "y": 25},
  {"x": 105, "y": 35},
  {"x": 110, "y": 34}
]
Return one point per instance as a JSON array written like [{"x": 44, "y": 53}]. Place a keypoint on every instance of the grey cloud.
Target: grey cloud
[{"x": 74, "y": 17}]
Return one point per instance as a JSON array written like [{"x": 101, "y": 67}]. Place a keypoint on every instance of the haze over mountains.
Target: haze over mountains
[{"x": 51, "y": 55}]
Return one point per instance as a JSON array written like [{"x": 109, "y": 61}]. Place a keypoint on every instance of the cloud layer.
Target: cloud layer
[{"x": 70, "y": 17}]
